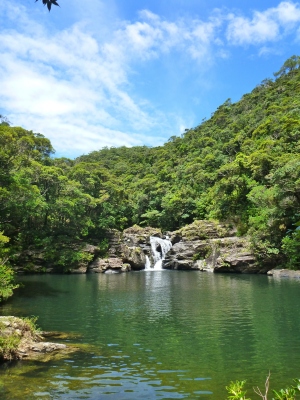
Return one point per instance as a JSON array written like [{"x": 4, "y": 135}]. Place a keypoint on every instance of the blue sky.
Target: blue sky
[{"x": 97, "y": 73}]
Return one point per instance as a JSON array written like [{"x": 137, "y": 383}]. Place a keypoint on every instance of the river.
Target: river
[{"x": 158, "y": 335}]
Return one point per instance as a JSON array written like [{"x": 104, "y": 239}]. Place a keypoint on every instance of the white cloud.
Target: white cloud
[
  {"x": 78, "y": 88},
  {"x": 153, "y": 36},
  {"x": 258, "y": 30},
  {"x": 287, "y": 13},
  {"x": 265, "y": 26},
  {"x": 65, "y": 86}
]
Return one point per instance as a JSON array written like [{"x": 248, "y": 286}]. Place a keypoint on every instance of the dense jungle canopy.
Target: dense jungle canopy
[{"x": 241, "y": 166}]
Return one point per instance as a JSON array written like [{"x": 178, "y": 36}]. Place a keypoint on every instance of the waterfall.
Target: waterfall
[
  {"x": 159, "y": 249},
  {"x": 148, "y": 264}
]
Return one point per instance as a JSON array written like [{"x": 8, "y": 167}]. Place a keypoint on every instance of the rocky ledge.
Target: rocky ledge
[
  {"x": 202, "y": 245},
  {"x": 213, "y": 247},
  {"x": 19, "y": 339}
]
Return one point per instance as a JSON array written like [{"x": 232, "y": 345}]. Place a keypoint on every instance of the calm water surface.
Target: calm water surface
[{"x": 158, "y": 335}]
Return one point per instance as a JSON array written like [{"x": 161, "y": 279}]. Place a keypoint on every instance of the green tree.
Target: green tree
[{"x": 7, "y": 284}]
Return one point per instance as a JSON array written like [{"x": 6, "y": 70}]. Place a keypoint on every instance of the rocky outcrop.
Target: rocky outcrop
[
  {"x": 20, "y": 340},
  {"x": 202, "y": 230},
  {"x": 202, "y": 245},
  {"x": 133, "y": 245},
  {"x": 37, "y": 260},
  {"x": 89, "y": 252},
  {"x": 208, "y": 246}
]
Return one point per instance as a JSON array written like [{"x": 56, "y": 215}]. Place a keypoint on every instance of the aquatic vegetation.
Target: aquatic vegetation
[{"x": 236, "y": 391}]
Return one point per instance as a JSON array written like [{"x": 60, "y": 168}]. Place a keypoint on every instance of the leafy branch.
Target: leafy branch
[{"x": 49, "y": 3}]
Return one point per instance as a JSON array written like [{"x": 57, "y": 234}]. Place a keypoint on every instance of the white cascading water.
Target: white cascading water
[
  {"x": 148, "y": 264},
  {"x": 159, "y": 249}
]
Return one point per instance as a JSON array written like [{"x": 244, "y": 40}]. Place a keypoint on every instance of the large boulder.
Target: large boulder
[
  {"x": 234, "y": 255},
  {"x": 134, "y": 255}
]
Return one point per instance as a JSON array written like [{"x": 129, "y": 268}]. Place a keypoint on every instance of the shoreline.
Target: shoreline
[{"x": 20, "y": 339}]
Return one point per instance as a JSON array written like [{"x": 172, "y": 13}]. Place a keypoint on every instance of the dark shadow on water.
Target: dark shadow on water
[{"x": 31, "y": 289}]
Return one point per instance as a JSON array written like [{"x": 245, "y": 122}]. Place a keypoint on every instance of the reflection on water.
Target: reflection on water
[
  {"x": 158, "y": 335},
  {"x": 158, "y": 298}
]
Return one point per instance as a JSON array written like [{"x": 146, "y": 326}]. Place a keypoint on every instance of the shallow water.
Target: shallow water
[{"x": 158, "y": 335}]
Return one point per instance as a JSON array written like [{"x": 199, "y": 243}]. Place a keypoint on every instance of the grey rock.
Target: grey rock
[
  {"x": 132, "y": 245},
  {"x": 284, "y": 273},
  {"x": 133, "y": 255},
  {"x": 101, "y": 265},
  {"x": 227, "y": 254}
]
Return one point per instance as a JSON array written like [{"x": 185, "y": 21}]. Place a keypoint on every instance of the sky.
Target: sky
[{"x": 96, "y": 73}]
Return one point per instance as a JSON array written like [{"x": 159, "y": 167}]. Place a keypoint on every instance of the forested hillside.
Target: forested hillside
[{"x": 241, "y": 166}]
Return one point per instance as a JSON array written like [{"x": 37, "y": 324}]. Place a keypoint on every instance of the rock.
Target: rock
[
  {"x": 284, "y": 273},
  {"x": 82, "y": 266},
  {"x": 132, "y": 245},
  {"x": 114, "y": 240},
  {"x": 101, "y": 265},
  {"x": 126, "y": 268},
  {"x": 78, "y": 270},
  {"x": 202, "y": 245},
  {"x": 134, "y": 256},
  {"x": 201, "y": 230},
  {"x": 88, "y": 248},
  {"x": 35, "y": 261},
  {"x": 142, "y": 233},
  {"x": 41, "y": 347},
  {"x": 19, "y": 340},
  {"x": 229, "y": 254}
]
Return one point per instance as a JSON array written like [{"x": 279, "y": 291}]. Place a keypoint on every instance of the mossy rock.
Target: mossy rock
[
  {"x": 203, "y": 229},
  {"x": 142, "y": 231}
]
